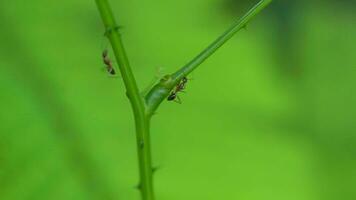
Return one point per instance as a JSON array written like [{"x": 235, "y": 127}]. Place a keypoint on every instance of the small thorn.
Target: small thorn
[
  {"x": 155, "y": 169},
  {"x": 142, "y": 144},
  {"x": 111, "y": 29},
  {"x": 107, "y": 32},
  {"x": 138, "y": 186},
  {"x": 117, "y": 28},
  {"x": 127, "y": 94},
  {"x": 245, "y": 27}
]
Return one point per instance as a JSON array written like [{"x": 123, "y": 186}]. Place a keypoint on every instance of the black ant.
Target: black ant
[
  {"x": 109, "y": 67},
  {"x": 182, "y": 84},
  {"x": 173, "y": 96}
]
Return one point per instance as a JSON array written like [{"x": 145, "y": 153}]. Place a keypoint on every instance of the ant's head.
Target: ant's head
[{"x": 105, "y": 53}]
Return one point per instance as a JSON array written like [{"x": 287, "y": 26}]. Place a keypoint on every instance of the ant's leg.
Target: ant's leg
[
  {"x": 113, "y": 75},
  {"x": 177, "y": 100},
  {"x": 192, "y": 76}
]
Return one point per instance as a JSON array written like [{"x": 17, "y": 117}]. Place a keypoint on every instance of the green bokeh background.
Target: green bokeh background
[{"x": 270, "y": 116}]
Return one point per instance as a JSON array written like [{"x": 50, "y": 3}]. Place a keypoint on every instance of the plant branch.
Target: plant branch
[
  {"x": 136, "y": 100},
  {"x": 144, "y": 107},
  {"x": 161, "y": 90}
]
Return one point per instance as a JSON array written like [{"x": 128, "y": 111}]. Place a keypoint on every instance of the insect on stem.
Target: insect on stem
[
  {"x": 173, "y": 96},
  {"x": 109, "y": 66}
]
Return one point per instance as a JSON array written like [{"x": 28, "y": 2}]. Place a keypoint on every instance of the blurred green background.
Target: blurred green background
[{"x": 271, "y": 116}]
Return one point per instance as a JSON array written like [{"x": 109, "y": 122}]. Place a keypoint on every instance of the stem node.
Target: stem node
[{"x": 137, "y": 101}]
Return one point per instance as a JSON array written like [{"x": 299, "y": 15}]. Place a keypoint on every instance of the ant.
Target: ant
[
  {"x": 109, "y": 67},
  {"x": 182, "y": 84},
  {"x": 179, "y": 88}
]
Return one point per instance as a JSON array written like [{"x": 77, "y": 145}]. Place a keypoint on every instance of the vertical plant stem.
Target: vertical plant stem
[{"x": 137, "y": 102}]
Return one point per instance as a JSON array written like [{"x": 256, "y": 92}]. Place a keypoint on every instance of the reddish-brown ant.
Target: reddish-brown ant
[
  {"x": 109, "y": 67},
  {"x": 173, "y": 96}
]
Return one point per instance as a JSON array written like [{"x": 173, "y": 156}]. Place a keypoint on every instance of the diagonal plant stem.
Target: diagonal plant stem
[
  {"x": 161, "y": 90},
  {"x": 137, "y": 102}
]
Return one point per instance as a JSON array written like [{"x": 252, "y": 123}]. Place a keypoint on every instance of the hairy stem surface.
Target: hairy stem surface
[{"x": 137, "y": 102}]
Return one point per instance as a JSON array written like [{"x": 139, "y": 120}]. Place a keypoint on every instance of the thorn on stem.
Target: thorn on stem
[
  {"x": 155, "y": 169},
  {"x": 127, "y": 94},
  {"x": 142, "y": 144},
  {"x": 111, "y": 29},
  {"x": 117, "y": 28},
  {"x": 138, "y": 186}
]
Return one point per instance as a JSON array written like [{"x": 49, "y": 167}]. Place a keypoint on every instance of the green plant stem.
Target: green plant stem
[
  {"x": 144, "y": 107},
  {"x": 137, "y": 102},
  {"x": 160, "y": 91}
]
